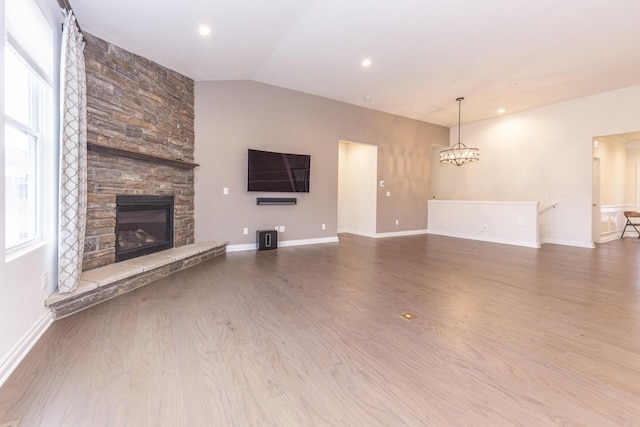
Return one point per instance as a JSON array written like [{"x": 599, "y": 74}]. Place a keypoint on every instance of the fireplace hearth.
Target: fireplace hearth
[{"x": 144, "y": 225}]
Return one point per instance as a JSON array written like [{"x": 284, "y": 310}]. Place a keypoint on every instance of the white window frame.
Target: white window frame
[{"x": 40, "y": 129}]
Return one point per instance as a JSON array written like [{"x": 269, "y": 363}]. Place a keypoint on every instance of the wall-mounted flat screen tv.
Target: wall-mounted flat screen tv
[{"x": 278, "y": 172}]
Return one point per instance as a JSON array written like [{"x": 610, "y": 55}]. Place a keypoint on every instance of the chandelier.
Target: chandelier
[{"x": 459, "y": 154}]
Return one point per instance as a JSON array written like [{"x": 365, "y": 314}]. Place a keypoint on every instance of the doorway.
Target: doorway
[
  {"x": 357, "y": 185},
  {"x": 616, "y": 183}
]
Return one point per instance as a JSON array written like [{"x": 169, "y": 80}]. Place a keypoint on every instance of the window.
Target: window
[{"x": 28, "y": 104}]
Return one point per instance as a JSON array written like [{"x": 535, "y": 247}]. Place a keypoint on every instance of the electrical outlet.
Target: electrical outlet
[
  {"x": 245, "y": 231},
  {"x": 324, "y": 226},
  {"x": 388, "y": 193},
  {"x": 45, "y": 280},
  {"x": 397, "y": 222},
  {"x": 225, "y": 191},
  {"x": 282, "y": 228}
]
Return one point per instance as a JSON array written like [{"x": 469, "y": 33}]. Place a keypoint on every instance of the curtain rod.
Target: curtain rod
[{"x": 65, "y": 5}]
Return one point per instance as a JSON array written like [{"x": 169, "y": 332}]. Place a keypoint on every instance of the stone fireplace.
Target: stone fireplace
[{"x": 140, "y": 136}]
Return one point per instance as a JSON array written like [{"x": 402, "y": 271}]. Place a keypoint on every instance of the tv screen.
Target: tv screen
[{"x": 278, "y": 172}]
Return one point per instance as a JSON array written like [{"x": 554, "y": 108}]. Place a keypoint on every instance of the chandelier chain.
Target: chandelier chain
[{"x": 459, "y": 116}]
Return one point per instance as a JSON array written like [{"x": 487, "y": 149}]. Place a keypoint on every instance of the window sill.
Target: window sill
[{"x": 23, "y": 249}]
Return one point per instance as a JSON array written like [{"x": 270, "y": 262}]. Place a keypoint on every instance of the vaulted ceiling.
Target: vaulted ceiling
[{"x": 506, "y": 54}]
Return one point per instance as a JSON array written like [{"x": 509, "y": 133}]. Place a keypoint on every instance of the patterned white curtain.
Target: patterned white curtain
[{"x": 73, "y": 157}]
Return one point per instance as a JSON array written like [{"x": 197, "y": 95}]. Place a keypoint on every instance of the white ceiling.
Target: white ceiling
[{"x": 496, "y": 53}]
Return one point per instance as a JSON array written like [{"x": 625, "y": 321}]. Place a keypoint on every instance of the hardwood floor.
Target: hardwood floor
[{"x": 313, "y": 335}]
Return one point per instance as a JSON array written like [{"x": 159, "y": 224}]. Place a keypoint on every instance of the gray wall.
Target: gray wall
[{"x": 232, "y": 116}]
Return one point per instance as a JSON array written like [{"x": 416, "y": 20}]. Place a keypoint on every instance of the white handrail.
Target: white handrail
[{"x": 547, "y": 208}]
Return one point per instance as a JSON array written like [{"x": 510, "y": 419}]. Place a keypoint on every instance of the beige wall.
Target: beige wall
[
  {"x": 632, "y": 161},
  {"x": 547, "y": 150},
  {"x": 232, "y": 116}
]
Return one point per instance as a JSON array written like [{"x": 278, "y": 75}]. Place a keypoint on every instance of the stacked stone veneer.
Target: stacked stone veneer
[{"x": 137, "y": 105}]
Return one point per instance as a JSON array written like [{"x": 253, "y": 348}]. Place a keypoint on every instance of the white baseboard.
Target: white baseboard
[
  {"x": 576, "y": 243},
  {"x": 525, "y": 243},
  {"x": 383, "y": 235},
  {"x": 241, "y": 247},
  {"x": 358, "y": 232},
  {"x": 11, "y": 361},
  {"x": 608, "y": 237},
  {"x": 302, "y": 242},
  {"x": 283, "y": 243},
  {"x": 400, "y": 233},
  {"x": 628, "y": 233}
]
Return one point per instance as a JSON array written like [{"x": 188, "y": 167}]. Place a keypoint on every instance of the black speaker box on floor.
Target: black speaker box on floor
[{"x": 266, "y": 239}]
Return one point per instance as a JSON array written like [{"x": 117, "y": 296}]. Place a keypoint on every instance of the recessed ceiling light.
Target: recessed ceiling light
[
  {"x": 204, "y": 31},
  {"x": 366, "y": 62},
  {"x": 366, "y": 98},
  {"x": 501, "y": 110}
]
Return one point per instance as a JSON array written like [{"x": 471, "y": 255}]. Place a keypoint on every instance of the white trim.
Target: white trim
[
  {"x": 24, "y": 248},
  {"x": 283, "y": 244},
  {"x": 611, "y": 235},
  {"x": 485, "y": 202},
  {"x": 527, "y": 244},
  {"x": 12, "y": 359},
  {"x": 400, "y": 233},
  {"x": 358, "y": 232},
  {"x": 302, "y": 242},
  {"x": 384, "y": 235},
  {"x": 576, "y": 243},
  {"x": 616, "y": 208},
  {"x": 242, "y": 247}
]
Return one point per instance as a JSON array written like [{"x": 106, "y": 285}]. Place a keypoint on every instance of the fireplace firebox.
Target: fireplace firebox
[{"x": 144, "y": 225}]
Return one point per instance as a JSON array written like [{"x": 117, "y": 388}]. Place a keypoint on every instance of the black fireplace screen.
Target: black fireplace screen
[{"x": 144, "y": 225}]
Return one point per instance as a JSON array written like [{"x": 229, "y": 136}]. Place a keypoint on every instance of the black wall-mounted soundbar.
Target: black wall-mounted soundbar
[{"x": 276, "y": 200}]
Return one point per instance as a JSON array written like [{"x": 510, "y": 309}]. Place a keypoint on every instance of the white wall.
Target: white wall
[
  {"x": 543, "y": 154},
  {"x": 514, "y": 223},
  {"x": 357, "y": 182},
  {"x": 23, "y": 316}
]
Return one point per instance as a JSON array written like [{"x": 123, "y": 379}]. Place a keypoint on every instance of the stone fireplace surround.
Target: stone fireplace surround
[
  {"x": 140, "y": 136},
  {"x": 104, "y": 283}
]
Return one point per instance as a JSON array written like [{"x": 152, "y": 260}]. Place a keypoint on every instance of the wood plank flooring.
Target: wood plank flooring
[{"x": 312, "y": 336}]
